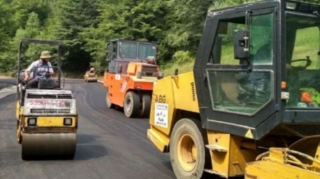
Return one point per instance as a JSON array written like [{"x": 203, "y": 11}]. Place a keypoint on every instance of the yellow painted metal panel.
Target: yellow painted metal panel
[
  {"x": 52, "y": 121},
  {"x": 275, "y": 170},
  {"x": 169, "y": 94},
  {"x": 132, "y": 67},
  {"x": 162, "y": 106},
  {"x": 17, "y": 109},
  {"x": 220, "y": 160},
  {"x": 317, "y": 156},
  {"x": 184, "y": 89},
  {"x": 160, "y": 140},
  {"x": 230, "y": 157}
]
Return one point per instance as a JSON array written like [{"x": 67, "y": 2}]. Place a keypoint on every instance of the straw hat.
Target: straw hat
[{"x": 45, "y": 54}]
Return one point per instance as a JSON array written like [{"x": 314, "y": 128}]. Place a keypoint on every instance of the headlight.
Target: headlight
[
  {"x": 67, "y": 121},
  {"x": 32, "y": 121}
]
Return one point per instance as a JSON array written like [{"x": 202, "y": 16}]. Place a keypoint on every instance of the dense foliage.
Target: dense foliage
[{"x": 86, "y": 25}]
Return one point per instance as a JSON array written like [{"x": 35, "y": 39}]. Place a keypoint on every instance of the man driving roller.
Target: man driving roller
[{"x": 39, "y": 68}]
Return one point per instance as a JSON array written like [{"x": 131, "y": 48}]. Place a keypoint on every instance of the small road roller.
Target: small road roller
[
  {"x": 91, "y": 75},
  {"x": 47, "y": 118}
]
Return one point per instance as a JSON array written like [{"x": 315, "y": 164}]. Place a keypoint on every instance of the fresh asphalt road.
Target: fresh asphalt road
[{"x": 109, "y": 145}]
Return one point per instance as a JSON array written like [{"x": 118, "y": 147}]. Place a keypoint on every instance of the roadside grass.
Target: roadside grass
[{"x": 169, "y": 68}]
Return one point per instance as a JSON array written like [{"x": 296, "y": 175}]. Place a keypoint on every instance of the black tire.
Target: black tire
[
  {"x": 185, "y": 133},
  {"x": 145, "y": 105},
  {"x": 109, "y": 104},
  {"x": 132, "y": 105}
]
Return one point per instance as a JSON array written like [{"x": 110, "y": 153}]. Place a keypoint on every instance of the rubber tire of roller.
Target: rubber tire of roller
[
  {"x": 192, "y": 127},
  {"x": 109, "y": 104},
  {"x": 135, "y": 104},
  {"x": 146, "y": 104}
]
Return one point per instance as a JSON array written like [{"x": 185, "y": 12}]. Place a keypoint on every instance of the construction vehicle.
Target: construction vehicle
[
  {"x": 253, "y": 113},
  {"x": 91, "y": 75},
  {"x": 47, "y": 118},
  {"x": 132, "y": 71}
]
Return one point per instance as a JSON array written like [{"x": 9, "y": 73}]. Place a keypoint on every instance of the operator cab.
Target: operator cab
[
  {"x": 47, "y": 82},
  {"x": 121, "y": 52},
  {"x": 259, "y": 63}
]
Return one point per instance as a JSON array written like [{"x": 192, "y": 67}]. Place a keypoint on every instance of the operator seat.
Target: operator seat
[
  {"x": 44, "y": 83},
  {"x": 253, "y": 87}
]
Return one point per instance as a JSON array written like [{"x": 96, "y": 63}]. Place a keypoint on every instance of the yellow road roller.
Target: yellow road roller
[
  {"x": 47, "y": 118},
  {"x": 91, "y": 75},
  {"x": 251, "y": 106}
]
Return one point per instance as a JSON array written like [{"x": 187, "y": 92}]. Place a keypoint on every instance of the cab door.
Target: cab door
[{"x": 237, "y": 96}]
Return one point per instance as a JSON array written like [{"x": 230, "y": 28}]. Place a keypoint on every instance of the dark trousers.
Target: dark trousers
[{"x": 33, "y": 83}]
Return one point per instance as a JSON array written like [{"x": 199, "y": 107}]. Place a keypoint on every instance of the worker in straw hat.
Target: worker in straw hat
[{"x": 39, "y": 68}]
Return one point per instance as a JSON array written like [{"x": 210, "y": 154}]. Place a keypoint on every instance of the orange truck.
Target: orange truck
[{"x": 132, "y": 71}]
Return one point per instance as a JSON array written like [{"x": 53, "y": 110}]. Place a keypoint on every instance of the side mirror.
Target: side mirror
[
  {"x": 241, "y": 50},
  {"x": 107, "y": 56},
  {"x": 161, "y": 75},
  {"x": 119, "y": 68},
  {"x": 139, "y": 74}
]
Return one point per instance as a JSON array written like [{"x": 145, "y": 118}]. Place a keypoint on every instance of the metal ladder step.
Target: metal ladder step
[
  {"x": 215, "y": 173},
  {"x": 216, "y": 147}
]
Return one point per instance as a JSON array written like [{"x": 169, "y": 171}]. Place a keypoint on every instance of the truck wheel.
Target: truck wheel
[
  {"x": 131, "y": 105},
  {"x": 146, "y": 103},
  {"x": 187, "y": 149},
  {"x": 109, "y": 104}
]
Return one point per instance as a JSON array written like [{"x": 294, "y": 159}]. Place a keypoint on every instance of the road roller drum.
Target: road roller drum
[{"x": 60, "y": 144}]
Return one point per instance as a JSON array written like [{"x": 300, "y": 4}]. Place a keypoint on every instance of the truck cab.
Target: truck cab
[
  {"x": 120, "y": 52},
  {"x": 132, "y": 71}
]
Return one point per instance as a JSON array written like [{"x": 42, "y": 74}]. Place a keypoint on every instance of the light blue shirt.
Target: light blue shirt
[{"x": 41, "y": 69}]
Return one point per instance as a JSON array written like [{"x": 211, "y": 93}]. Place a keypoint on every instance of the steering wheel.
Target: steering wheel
[{"x": 307, "y": 59}]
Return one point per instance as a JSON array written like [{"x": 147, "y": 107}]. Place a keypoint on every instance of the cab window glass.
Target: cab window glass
[
  {"x": 242, "y": 91},
  {"x": 261, "y": 41},
  {"x": 222, "y": 52},
  {"x": 302, "y": 62}
]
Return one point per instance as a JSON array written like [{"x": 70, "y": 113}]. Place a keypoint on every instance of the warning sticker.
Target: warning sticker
[{"x": 161, "y": 114}]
